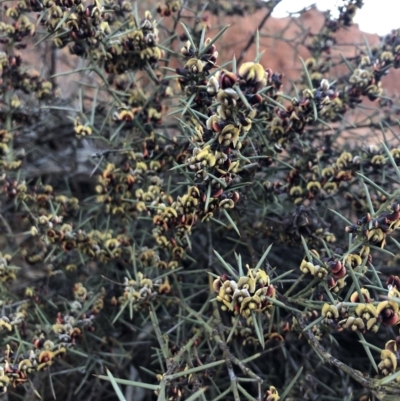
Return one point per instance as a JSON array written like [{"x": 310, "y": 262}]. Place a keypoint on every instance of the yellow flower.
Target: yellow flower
[
  {"x": 307, "y": 267},
  {"x": 272, "y": 394},
  {"x": 330, "y": 311},
  {"x": 247, "y": 283},
  {"x": 389, "y": 362},
  {"x": 71, "y": 267},
  {"x": 5, "y": 324},
  {"x": 253, "y": 73},
  {"x": 165, "y": 287},
  {"x": 229, "y": 135},
  {"x": 250, "y": 304}
]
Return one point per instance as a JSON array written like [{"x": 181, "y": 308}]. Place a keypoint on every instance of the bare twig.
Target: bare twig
[{"x": 252, "y": 38}]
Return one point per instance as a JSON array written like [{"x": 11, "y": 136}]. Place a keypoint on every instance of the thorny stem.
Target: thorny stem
[
  {"x": 368, "y": 383},
  {"x": 215, "y": 329},
  {"x": 231, "y": 359},
  {"x": 160, "y": 338}
]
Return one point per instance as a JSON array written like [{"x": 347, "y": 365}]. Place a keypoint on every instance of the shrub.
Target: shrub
[{"x": 187, "y": 227}]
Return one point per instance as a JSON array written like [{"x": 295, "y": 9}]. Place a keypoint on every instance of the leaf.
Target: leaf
[
  {"x": 281, "y": 276},
  {"x": 291, "y": 384},
  {"x": 60, "y": 74},
  {"x": 223, "y": 395},
  {"x": 243, "y": 98},
  {"x": 349, "y": 66},
  {"x": 132, "y": 383},
  {"x": 257, "y": 43},
  {"x": 161, "y": 394},
  {"x": 389, "y": 379},
  {"x": 314, "y": 323},
  {"x": 374, "y": 185},
  {"x": 281, "y": 304},
  {"x": 121, "y": 310},
  {"x": 221, "y": 182},
  {"x": 213, "y": 40},
  {"x": 240, "y": 265},
  {"x": 368, "y": 351},
  {"x": 226, "y": 265},
  {"x": 178, "y": 166},
  {"x": 202, "y": 37},
  {"x": 232, "y": 331},
  {"x": 341, "y": 217},
  {"x": 200, "y": 368},
  {"x": 234, "y": 66},
  {"x": 370, "y": 346},
  {"x": 233, "y": 224},
  {"x": 308, "y": 78},
  {"x": 370, "y": 206},
  {"x": 261, "y": 261},
  {"x": 189, "y": 36},
  {"x": 34, "y": 390},
  {"x": 305, "y": 246},
  {"x": 208, "y": 196},
  {"x": 392, "y": 161},
  {"x": 258, "y": 326},
  {"x": 320, "y": 120},
  {"x": 196, "y": 394},
  {"x": 116, "y": 388}
]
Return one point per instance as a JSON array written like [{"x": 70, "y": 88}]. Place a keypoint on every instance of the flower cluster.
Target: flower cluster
[
  {"x": 373, "y": 231},
  {"x": 246, "y": 294},
  {"x": 193, "y": 75},
  {"x": 235, "y": 7},
  {"x": 292, "y": 120},
  {"x": 368, "y": 314},
  {"x": 16, "y": 367},
  {"x": 170, "y": 6},
  {"x": 140, "y": 292},
  {"x": 114, "y": 187},
  {"x": 88, "y": 32},
  {"x": 16, "y": 77},
  {"x": 323, "y": 41},
  {"x": 7, "y": 270},
  {"x": 141, "y": 108}
]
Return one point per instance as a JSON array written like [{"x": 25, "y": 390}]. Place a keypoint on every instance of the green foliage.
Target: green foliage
[{"x": 225, "y": 240}]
